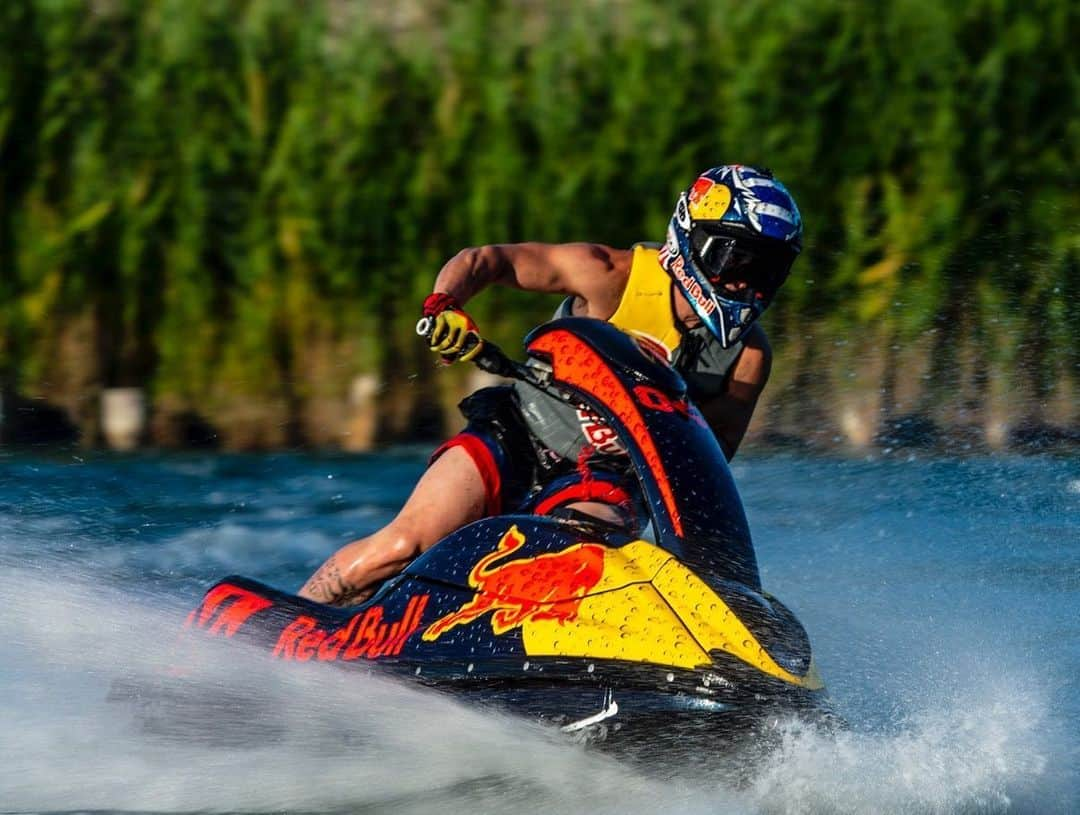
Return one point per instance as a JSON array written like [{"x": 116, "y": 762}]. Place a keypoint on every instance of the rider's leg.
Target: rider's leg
[
  {"x": 605, "y": 495},
  {"x": 451, "y": 493},
  {"x": 603, "y": 512}
]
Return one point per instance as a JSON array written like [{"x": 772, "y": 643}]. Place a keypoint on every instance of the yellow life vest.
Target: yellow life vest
[{"x": 645, "y": 309}]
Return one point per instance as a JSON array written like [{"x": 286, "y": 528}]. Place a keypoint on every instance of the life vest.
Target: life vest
[{"x": 645, "y": 310}]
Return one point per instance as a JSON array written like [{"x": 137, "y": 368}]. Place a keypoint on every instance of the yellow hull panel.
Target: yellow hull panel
[{"x": 649, "y": 608}]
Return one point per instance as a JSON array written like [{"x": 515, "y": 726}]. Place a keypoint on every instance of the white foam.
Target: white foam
[
  {"x": 971, "y": 755},
  {"x": 344, "y": 740},
  {"x": 971, "y": 747}
]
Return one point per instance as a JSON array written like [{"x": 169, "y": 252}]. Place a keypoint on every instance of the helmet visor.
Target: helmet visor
[{"x": 741, "y": 268}]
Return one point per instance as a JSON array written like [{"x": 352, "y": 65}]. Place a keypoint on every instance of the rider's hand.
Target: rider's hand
[{"x": 452, "y": 329}]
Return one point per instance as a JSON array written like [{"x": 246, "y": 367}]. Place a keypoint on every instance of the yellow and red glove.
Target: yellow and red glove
[{"x": 452, "y": 329}]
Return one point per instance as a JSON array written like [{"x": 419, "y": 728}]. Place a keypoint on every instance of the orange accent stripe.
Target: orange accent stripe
[
  {"x": 576, "y": 363},
  {"x": 587, "y": 491}
]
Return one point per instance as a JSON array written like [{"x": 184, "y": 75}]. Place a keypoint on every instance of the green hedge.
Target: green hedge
[{"x": 220, "y": 186}]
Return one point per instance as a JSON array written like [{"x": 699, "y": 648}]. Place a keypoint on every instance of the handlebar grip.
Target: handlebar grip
[{"x": 489, "y": 358}]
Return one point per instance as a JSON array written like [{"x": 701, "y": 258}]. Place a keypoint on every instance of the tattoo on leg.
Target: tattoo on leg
[{"x": 326, "y": 585}]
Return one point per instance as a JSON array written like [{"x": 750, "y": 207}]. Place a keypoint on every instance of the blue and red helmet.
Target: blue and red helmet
[{"x": 730, "y": 246}]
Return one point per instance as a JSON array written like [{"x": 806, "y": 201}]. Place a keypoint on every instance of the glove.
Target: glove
[{"x": 452, "y": 329}]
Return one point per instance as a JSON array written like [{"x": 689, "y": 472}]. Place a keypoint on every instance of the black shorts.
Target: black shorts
[{"x": 520, "y": 475}]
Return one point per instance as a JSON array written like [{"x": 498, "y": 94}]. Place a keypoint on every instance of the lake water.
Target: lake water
[{"x": 942, "y": 598}]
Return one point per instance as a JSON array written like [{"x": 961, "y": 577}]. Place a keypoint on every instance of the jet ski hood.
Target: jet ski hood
[{"x": 695, "y": 509}]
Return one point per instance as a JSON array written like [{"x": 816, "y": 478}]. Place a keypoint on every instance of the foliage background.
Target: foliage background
[{"x": 239, "y": 204}]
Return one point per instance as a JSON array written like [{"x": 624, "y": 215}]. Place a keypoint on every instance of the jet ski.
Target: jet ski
[{"x": 565, "y": 621}]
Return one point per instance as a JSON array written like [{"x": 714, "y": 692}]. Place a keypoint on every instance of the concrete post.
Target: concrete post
[
  {"x": 856, "y": 427},
  {"x": 997, "y": 431},
  {"x": 123, "y": 417},
  {"x": 359, "y": 431}
]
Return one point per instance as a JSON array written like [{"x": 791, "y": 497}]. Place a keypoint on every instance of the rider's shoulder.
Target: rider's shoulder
[
  {"x": 596, "y": 273},
  {"x": 571, "y": 256},
  {"x": 756, "y": 343},
  {"x": 598, "y": 254},
  {"x": 591, "y": 264}
]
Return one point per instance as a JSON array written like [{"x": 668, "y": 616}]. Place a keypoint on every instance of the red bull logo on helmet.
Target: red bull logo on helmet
[
  {"x": 690, "y": 286},
  {"x": 709, "y": 201},
  {"x": 547, "y": 587}
]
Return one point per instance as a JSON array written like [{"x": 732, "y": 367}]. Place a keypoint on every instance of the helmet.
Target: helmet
[{"x": 730, "y": 246}]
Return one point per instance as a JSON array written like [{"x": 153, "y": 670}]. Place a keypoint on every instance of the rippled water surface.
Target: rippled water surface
[{"x": 942, "y": 597}]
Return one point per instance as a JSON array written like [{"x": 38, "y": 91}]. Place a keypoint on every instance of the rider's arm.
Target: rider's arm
[
  {"x": 728, "y": 413},
  {"x": 588, "y": 270}
]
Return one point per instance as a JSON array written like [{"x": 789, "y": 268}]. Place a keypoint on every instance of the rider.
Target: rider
[{"x": 730, "y": 245}]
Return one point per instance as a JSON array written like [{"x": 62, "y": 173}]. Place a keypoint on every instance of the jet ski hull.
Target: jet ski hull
[
  {"x": 570, "y": 623},
  {"x": 598, "y": 634}
]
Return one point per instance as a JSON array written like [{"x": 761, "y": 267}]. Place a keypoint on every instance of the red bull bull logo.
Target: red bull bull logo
[{"x": 546, "y": 587}]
